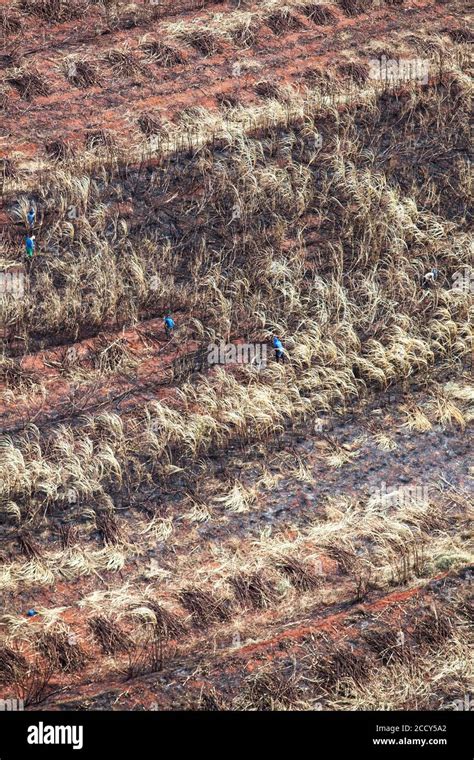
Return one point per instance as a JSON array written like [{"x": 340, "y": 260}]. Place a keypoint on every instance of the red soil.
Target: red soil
[
  {"x": 66, "y": 399},
  {"x": 69, "y": 112},
  {"x": 205, "y": 657}
]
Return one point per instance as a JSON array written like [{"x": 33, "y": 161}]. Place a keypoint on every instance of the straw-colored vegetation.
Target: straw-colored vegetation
[{"x": 312, "y": 211}]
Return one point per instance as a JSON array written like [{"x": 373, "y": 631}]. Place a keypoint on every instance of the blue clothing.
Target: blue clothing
[
  {"x": 31, "y": 216},
  {"x": 277, "y": 344},
  {"x": 30, "y": 246},
  {"x": 169, "y": 323}
]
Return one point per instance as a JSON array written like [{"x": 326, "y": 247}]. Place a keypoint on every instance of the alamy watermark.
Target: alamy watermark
[
  {"x": 400, "y": 495},
  {"x": 12, "y": 282},
  {"x": 395, "y": 71},
  {"x": 238, "y": 353},
  {"x": 12, "y": 705},
  {"x": 463, "y": 281},
  {"x": 46, "y": 734},
  {"x": 465, "y": 704},
  {"x": 319, "y": 424}
]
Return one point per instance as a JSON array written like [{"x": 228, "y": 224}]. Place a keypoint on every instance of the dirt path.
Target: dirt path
[
  {"x": 226, "y": 668},
  {"x": 150, "y": 358}
]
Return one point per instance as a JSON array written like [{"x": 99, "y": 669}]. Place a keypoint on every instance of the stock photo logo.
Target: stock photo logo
[
  {"x": 12, "y": 704},
  {"x": 463, "y": 281},
  {"x": 253, "y": 354},
  {"x": 399, "y": 70},
  {"x": 13, "y": 282},
  {"x": 400, "y": 495}
]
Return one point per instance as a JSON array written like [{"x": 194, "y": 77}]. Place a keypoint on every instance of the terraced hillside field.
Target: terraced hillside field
[{"x": 181, "y": 533}]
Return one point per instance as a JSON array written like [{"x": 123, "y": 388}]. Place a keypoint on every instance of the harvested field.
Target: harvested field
[{"x": 192, "y": 524}]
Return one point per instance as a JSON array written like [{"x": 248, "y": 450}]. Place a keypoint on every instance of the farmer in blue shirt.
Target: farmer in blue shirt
[
  {"x": 30, "y": 246},
  {"x": 279, "y": 350},
  {"x": 169, "y": 326},
  {"x": 31, "y": 217}
]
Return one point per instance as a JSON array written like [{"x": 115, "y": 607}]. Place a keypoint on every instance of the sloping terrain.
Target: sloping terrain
[{"x": 192, "y": 536}]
